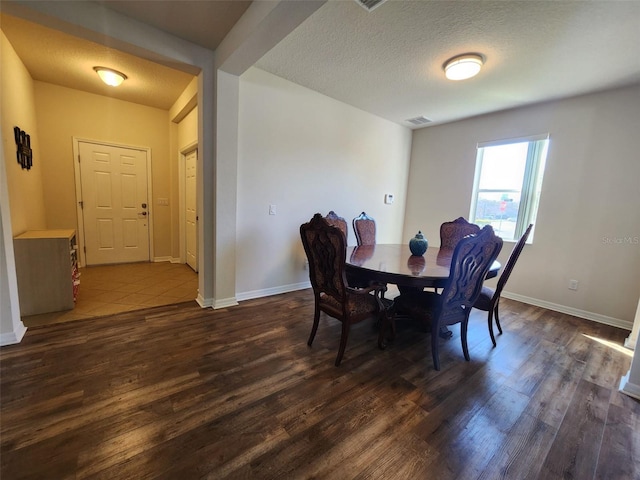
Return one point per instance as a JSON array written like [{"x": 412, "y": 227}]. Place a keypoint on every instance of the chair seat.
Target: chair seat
[
  {"x": 357, "y": 305},
  {"x": 484, "y": 300}
]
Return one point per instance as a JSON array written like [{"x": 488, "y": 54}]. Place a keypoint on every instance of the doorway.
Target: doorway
[
  {"x": 114, "y": 215},
  {"x": 190, "y": 214}
]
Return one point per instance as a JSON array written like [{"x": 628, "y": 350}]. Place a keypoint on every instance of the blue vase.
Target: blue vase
[{"x": 418, "y": 244}]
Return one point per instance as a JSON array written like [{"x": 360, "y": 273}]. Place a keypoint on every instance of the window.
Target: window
[{"x": 507, "y": 184}]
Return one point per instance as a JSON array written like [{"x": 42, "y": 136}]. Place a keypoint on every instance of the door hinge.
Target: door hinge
[
  {"x": 78, "y": 158},
  {"x": 85, "y": 249},
  {"x": 81, "y": 203}
]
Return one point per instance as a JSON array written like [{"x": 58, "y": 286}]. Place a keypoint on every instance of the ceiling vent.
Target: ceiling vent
[
  {"x": 419, "y": 121},
  {"x": 370, "y": 5}
]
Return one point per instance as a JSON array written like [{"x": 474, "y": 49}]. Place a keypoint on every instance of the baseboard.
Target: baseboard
[
  {"x": 224, "y": 303},
  {"x": 11, "y": 338},
  {"x": 272, "y": 291},
  {"x": 166, "y": 259},
  {"x": 204, "y": 302},
  {"x": 631, "y": 389},
  {"x": 630, "y": 342},
  {"x": 216, "y": 304},
  {"x": 595, "y": 317},
  {"x": 267, "y": 292}
]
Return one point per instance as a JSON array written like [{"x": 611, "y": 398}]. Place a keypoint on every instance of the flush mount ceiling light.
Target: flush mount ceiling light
[
  {"x": 110, "y": 76},
  {"x": 463, "y": 66}
]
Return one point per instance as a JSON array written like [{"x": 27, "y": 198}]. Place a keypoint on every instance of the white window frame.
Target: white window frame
[{"x": 531, "y": 182}]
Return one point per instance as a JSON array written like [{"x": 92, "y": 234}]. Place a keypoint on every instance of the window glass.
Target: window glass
[{"x": 508, "y": 183}]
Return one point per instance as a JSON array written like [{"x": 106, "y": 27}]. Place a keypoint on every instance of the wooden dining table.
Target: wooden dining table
[{"x": 394, "y": 263}]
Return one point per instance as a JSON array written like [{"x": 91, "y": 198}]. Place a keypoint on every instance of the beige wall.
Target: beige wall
[
  {"x": 188, "y": 130},
  {"x": 588, "y": 208},
  {"x": 65, "y": 113},
  {"x": 307, "y": 153},
  {"x": 18, "y": 108}
]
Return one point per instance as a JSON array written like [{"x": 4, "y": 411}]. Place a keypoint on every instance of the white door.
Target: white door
[
  {"x": 191, "y": 225},
  {"x": 114, "y": 209}
]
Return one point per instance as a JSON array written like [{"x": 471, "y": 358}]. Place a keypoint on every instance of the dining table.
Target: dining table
[{"x": 394, "y": 264}]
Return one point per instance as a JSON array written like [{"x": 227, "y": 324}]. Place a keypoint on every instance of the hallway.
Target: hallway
[{"x": 112, "y": 289}]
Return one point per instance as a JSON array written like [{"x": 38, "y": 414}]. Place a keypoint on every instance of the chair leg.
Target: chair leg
[
  {"x": 314, "y": 329},
  {"x": 463, "y": 336},
  {"x": 490, "y": 320},
  {"x": 496, "y": 315},
  {"x": 343, "y": 341}
]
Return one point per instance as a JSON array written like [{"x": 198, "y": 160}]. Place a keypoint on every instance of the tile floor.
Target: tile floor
[{"x": 110, "y": 289}]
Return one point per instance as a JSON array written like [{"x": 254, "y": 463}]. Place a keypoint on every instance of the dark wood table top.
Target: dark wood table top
[{"x": 393, "y": 263}]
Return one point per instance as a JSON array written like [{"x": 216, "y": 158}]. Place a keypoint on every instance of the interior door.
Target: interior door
[
  {"x": 191, "y": 219},
  {"x": 114, "y": 196}
]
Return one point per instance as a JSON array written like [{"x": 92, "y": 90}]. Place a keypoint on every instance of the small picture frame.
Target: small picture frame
[{"x": 24, "y": 153}]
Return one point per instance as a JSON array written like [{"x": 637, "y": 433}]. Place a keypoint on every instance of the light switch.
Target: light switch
[
  {"x": 272, "y": 209},
  {"x": 388, "y": 198}
]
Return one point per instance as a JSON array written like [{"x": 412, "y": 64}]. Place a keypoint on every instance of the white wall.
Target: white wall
[
  {"x": 307, "y": 153},
  {"x": 588, "y": 225}
]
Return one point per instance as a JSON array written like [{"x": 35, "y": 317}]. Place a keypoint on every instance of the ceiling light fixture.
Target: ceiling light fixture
[
  {"x": 463, "y": 66},
  {"x": 110, "y": 76}
]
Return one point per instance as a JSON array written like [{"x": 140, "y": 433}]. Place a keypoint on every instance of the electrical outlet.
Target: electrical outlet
[
  {"x": 272, "y": 209},
  {"x": 573, "y": 284}
]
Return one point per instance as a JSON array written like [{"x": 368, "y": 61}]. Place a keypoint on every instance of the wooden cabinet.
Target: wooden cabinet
[{"x": 47, "y": 270}]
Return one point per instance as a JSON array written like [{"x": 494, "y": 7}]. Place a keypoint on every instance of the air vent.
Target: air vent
[
  {"x": 418, "y": 121},
  {"x": 370, "y": 5}
]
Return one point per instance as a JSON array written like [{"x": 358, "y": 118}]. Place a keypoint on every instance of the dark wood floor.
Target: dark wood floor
[{"x": 182, "y": 393}]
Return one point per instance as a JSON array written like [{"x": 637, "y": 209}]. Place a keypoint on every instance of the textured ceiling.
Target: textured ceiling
[
  {"x": 55, "y": 57},
  {"x": 203, "y": 22},
  {"x": 389, "y": 61}
]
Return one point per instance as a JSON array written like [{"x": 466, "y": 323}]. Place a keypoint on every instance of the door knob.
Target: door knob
[
  {"x": 142, "y": 213},
  {"x": 144, "y": 205}
]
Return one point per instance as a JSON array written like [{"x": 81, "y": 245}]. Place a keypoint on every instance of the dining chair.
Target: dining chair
[
  {"x": 326, "y": 250},
  {"x": 364, "y": 227},
  {"x": 471, "y": 260},
  {"x": 452, "y": 232},
  {"x": 334, "y": 219},
  {"x": 489, "y": 299}
]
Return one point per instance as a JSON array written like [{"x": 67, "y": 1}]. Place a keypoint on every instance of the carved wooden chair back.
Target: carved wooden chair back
[
  {"x": 452, "y": 232},
  {"x": 334, "y": 219},
  {"x": 326, "y": 251},
  {"x": 470, "y": 264},
  {"x": 364, "y": 227}
]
